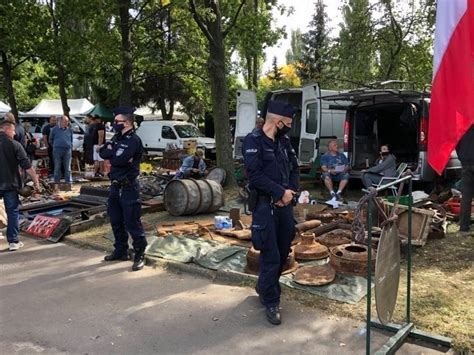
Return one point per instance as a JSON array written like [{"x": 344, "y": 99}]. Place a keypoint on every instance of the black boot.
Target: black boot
[
  {"x": 139, "y": 260},
  {"x": 116, "y": 256},
  {"x": 273, "y": 315}
]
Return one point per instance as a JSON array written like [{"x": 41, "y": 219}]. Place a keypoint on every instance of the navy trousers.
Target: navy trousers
[
  {"x": 467, "y": 189},
  {"x": 124, "y": 208},
  {"x": 273, "y": 229}
]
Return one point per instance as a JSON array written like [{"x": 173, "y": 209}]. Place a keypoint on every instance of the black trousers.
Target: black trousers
[
  {"x": 51, "y": 159},
  {"x": 124, "y": 210},
  {"x": 467, "y": 181}
]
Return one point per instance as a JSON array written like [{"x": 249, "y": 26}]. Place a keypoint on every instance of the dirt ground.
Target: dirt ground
[{"x": 442, "y": 279}]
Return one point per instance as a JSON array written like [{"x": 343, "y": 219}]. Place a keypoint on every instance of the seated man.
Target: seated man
[
  {"x": 193, "y": 166},
  {"x": 386, "y": 166},
  {"x": 334, "y": 166}
]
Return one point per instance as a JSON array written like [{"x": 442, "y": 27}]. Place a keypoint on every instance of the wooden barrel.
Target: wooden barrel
[{"x": 189, "y": 196}]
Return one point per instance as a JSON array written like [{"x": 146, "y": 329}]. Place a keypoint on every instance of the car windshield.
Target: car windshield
[{"x": 188, "y": 131}]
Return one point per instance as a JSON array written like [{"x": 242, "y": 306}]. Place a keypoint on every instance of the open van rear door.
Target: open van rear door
[
  {"x": 310, "y": 124},
  {"x": 246, "y": 118}
]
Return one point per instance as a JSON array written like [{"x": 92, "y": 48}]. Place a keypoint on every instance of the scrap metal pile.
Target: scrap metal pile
[{"x": 327, "y": 241}]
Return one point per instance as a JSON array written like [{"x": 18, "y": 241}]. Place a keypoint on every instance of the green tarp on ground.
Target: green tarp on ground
[{"x": 217, "y": 256}]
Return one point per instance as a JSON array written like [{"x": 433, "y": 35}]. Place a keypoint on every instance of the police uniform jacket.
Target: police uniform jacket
[
  {"x": 125, "y": 156},
  {"x": 272, "y": 166}
]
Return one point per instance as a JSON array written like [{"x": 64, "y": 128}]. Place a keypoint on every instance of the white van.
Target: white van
[
  {"x": 315, "y": 121},
  {"x": 156, "y": 135},
  {"x": 397, "y": 117}
]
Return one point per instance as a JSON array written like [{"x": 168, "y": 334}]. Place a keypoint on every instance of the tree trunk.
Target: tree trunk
[
  {"x": 255, "y": 56},
  {"x": 127, "y": 62},
  {"x": 62, "y": 86},
  {"x": 59, "y": 61},
  {"x": 167, "y": 115},
  {"x": 255, "y": 72},
  {"x": 7, "y": 79},
  {"x": 248, "y": 74},
  {"x": 220, "y": 106}
]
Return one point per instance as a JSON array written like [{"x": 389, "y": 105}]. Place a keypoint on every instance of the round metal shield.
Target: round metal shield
[
  {"x": 218, "y": 175},
  {"x": 387, "y": 272},
  {"x": 315, "y": 275}
]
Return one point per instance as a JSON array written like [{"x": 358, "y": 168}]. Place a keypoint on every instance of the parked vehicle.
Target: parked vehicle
[
  {"x": 315, "y": 122},
  {"x": 157, "y": 135},
  {"x": 397, "y": 117},
  {"x": 38, "y": 122}
]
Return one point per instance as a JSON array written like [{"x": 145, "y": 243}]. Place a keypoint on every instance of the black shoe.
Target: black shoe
[
  {"x": 273, "y": 315},
  {"x": 139, "y": 260},
  {"x": 116, "y": 256}
]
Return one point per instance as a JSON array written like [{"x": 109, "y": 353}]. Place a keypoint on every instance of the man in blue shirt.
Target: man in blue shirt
[
  {"x": 335, "y": 169},
  {"x": 60, "y": 139},
  {"x": 193, "y": 166},
  {"x": 273, "y": 175}
]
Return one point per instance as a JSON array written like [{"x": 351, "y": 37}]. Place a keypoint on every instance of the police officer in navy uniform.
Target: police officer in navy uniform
[
  {"x": 124, "y": 206},
  {"x": 273, "y": 174}
]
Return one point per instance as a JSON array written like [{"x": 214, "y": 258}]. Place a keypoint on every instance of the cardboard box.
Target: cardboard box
[{"x": 190, "y": 146}]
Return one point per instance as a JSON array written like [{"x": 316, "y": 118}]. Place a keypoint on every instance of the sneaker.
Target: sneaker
[
  {"x": 15, "y": 246},
  {"x": 339, "y": 197}
]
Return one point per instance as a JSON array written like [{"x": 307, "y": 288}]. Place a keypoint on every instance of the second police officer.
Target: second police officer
[
  {"x": 273, "y": 175},
  {"x": 124, "y": 206}
]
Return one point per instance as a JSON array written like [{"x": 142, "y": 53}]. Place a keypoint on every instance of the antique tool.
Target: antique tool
[
  {"x": 315, "y": 275},
  {"x": 350, "y": 259},
  {"x": 304, "y": 226},
  {"x": 309, "y": 249},
  {"x": 253, "y": 264},
  {"x": 387, "y": 272},
  {"x": 335, "y": 237}
]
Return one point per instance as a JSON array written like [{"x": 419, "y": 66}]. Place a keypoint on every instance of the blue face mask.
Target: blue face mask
[{"x": 118, "y": 127}]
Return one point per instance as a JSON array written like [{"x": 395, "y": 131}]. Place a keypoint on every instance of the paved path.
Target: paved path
[{"x": 56, "y": 298}]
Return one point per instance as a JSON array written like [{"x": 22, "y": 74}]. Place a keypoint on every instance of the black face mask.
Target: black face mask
[
  {"x": 384, "y": 153},
  {"x": 283, "y": 130},
  {"x": 118, "y": 127}
]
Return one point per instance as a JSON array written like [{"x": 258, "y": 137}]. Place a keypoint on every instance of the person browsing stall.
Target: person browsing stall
[
  {"x": 386, "y": 166},
  {"x": 335, "y": 169},
  {"x": 12, "y": 156},
  {"x": 273, "y": 175},
  {"x": 193, "y": 166},
  {"x": 60, "y": 139},
  {"x": 124, "y": 207}
]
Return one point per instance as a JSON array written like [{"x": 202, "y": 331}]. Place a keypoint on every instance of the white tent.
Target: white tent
[
  {"x": 4, "y": 107},
  {"x": 150, "y": 115},
  {"x": 54, "y": 107}
]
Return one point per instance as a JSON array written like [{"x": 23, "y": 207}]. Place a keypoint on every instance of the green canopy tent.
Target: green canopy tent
[{"x": 104, "y": 112}]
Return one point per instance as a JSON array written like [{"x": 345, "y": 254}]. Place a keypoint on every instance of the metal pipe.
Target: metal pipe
[
  {"x": 369, "y": 276},
  {"x": 410, "y": 188},
  {"x": 384, "y": 187}
]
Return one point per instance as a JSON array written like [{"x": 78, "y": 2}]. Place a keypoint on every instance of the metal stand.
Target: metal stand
[{"x": 406, "y": 329}]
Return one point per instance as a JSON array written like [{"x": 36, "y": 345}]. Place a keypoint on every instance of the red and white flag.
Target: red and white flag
[{"x": 452, "y": 93}]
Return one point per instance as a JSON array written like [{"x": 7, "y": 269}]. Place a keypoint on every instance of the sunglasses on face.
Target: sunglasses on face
[{"x": 119, "y": 121}]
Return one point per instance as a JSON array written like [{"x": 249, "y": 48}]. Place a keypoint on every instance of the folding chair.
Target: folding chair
[{"x": 386, "y": 179}]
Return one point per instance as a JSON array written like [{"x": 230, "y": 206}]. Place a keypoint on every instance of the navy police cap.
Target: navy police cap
[
  {"x": 280, "y": 108},
  {"x": 123, "y": 110}
]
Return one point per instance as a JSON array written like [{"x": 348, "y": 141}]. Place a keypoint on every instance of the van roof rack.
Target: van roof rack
[{"x": 403, "y": 84}]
